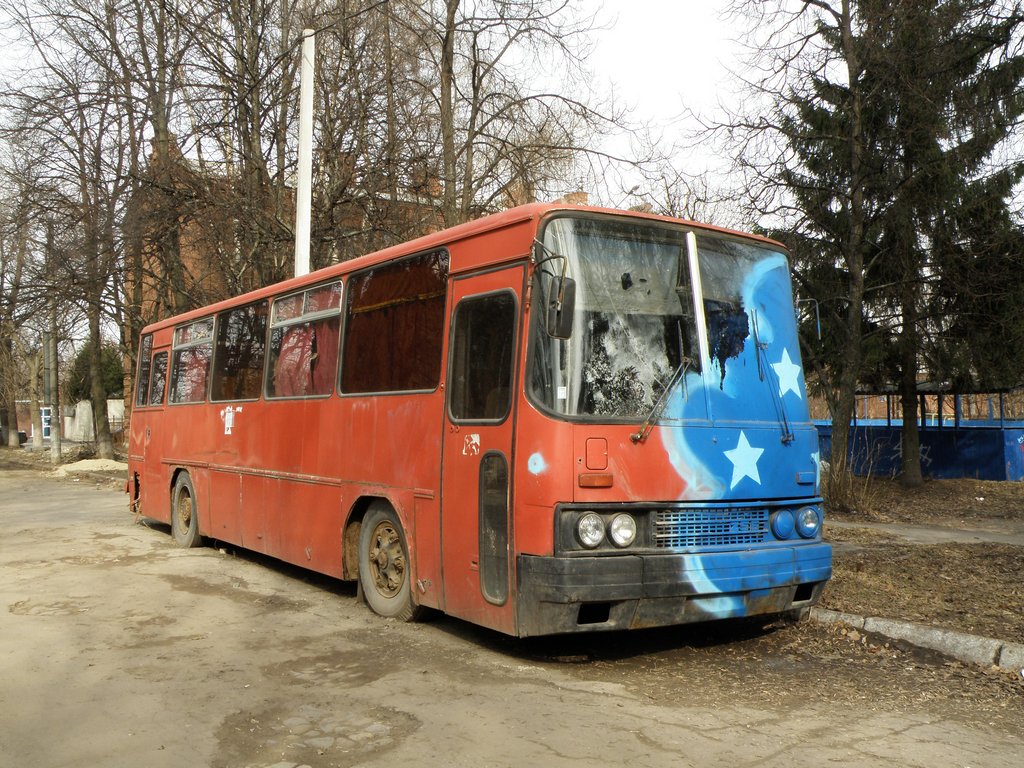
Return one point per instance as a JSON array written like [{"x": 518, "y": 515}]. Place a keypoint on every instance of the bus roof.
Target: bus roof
[{"x": 510, "y": 217}]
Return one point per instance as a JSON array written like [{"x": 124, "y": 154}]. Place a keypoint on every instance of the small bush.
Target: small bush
[{"x": 846, "y": 493}]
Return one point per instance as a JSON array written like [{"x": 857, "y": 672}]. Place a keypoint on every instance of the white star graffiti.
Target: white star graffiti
[
  {"x": 789, "y": 375},
  {"x": 744, "y": 461}
]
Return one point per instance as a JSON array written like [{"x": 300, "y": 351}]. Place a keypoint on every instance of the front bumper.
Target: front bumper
[{"x": 558, "y": 595}]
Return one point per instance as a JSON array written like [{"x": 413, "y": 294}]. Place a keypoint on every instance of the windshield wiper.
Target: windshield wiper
[
  {"x": 761, "y": 348},
  {"x": 645, "y": 429}
]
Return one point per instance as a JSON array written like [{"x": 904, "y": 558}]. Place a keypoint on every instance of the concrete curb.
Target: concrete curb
[{"x": 972, "y": 649}]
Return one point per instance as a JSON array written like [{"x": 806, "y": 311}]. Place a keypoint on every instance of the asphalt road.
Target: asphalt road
[{"x": 119, "y": 649}]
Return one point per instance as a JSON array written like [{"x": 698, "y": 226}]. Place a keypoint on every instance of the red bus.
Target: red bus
[{"x": 554, "y": 419}]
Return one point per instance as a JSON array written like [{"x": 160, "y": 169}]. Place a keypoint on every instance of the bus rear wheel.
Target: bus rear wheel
[
  {"x": 384, "y": 565},
  {"x": 184, "y": 518}
]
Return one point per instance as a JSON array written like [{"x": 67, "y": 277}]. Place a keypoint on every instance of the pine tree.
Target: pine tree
[
  {"x": 947, "y": 79},
  {"x": 893, "y": 118}
]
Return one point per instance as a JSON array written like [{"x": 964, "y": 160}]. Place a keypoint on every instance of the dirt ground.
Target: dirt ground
[
  {"x": 970, "y": 587},
  {"x": 118, "y": 648},
  {"x": 974, "y": 587}
]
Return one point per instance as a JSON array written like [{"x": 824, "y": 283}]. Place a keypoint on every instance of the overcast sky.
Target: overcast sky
[{"x": 663, "y": 56}]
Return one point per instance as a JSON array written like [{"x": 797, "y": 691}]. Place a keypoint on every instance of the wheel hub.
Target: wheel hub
[
  {"x": 184, "y": 510},
  {"x": 387, "y": 560}
]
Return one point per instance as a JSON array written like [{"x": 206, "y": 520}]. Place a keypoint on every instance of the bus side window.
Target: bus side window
[
  {"x": 394, "y": 326},
  {"x": 156, "y": 389},
  {"x": 190, "y": 366},
  {"x": 304, "y": 343},
  {"x": 241, "y": 347},
  {"x": 292, "y": 349},
  {"x": 483, "y": 338},
  {"x": 142, "y": 382},
  {"x": 325, "y": 357}
]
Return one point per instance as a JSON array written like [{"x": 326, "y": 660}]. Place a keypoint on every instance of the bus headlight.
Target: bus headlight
[
  {"x": 782, "y": 524},
  {"x": 590, "y": 530},
  {"x": 622, "y": 530},
  {"x": 808, "y": 522}
]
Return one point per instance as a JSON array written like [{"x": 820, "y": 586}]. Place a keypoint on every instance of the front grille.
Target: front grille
[{"x": 709, "y": 527}]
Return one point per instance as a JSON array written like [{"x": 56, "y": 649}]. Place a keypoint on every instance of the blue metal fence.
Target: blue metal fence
[{"x": 982, "y": 450}]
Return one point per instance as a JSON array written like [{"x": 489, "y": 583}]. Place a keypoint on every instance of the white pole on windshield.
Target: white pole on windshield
[
  {"x": 698, "y": 302},
  {"x": 304, "y": 192}
]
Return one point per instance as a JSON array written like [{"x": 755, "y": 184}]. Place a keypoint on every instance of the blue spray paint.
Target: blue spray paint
[
  {"x": 536, "y": 464},
  {"x": 731, "y": 436}
]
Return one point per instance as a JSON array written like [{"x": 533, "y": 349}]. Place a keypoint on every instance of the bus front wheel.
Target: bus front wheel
[
  {"x": 184, "y": 518},
  {"x": 384, "y": 565}
]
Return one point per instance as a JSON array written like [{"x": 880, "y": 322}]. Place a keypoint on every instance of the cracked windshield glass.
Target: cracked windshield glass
[
  {"x": 633, "y": 326},
  {"x": 634, "y": 329}
]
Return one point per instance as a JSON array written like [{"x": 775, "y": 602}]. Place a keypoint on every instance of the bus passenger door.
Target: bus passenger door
[
  {"x": 476, "y": 524},
  {"x": 148, "y": 434}
]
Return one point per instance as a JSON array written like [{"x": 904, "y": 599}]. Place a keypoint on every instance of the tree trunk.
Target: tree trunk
[
  {"x": 35, "y": 364},
  {"x": 8, "y": 329},
  {"x": 97, "y": 389},
  {"x": 450, "y": 197},
  {"x": 8, "y": 382},
  {"x": 391, "y": 154},
  {"x": 55, "y": 425},
  {"x": 910, "y": 442},
  {"x": 849, "y": 373}
]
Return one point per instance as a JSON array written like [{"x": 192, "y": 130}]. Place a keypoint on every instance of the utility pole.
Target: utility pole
[{"x": 304, "y": 192}]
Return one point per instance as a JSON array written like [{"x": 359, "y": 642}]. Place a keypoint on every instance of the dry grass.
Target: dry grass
[
  {"x": 976, "y": 588},
  {"x": 936, "y": 502}
]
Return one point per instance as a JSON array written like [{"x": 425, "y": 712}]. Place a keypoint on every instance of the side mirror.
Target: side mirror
[{"x": 560, "y": 306}]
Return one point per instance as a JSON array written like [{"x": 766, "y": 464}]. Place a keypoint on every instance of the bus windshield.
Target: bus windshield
[{"x": 634, "y": 328}]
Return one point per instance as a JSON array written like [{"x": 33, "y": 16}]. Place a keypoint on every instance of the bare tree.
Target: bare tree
[
  {"x": 69, "y": 105},
  {"x": 20, "y": 288},
  {"x": 498, "y": 124},
  {"x": 239, "y": 84},
  {"x": 169, "y": 131},
  {"x": 13, "y": 258}
]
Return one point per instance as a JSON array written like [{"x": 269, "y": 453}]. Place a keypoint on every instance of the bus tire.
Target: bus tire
[
  {"x": 384, "y": 577},
  {"x": 184, "y": 516}
]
